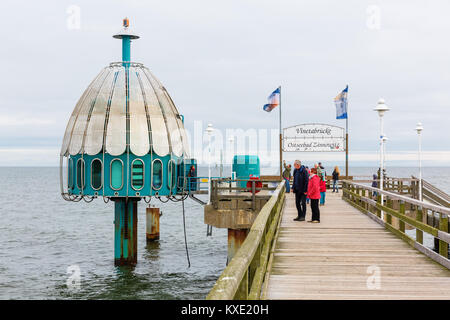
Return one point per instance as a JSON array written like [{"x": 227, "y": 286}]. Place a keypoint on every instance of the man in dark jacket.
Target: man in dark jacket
[{"x": 300, "y": 188}]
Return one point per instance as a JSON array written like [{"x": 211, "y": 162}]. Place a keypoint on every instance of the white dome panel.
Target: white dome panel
[
  {"x": 160, "y": 141},
  {"x": 82, "y": 119},
  {"x": 116, "y": 132},
  {"x": 95, "y": 131},
  {"x": 139, "y": 134},
  {"x": 73, "y": 118},
  {"x": 169, "y": 116},
  {"x": 153, "y": 121}
]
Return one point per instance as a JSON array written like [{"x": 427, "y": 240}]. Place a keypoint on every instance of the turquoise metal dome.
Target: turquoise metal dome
[
  {"x": 125, "y": 141},
  {"x": 125, "y": 137}
]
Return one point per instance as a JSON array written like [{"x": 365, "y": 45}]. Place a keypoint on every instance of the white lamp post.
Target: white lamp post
[
  {"x": 231, "y": 140},
  {"x": 209, "y": 131},
  {"x": 381, "y": 108},
  {"x": 419, "y": 129},
  {"x": 385, "y": 139}
]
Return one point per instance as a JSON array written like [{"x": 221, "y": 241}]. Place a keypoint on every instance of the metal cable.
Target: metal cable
[{"x": 185, "y": 237}]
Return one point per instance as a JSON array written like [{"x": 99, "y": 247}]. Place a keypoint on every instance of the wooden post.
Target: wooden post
[
  {"x": 443, "y": 226},
  {"x": 363, "y": 195},
  {"x": 401, "y": 223},
  {"x": 214, "y": 194},
  {"x": 152, "y": 224},
  {"x": 256, "y": 261},
  {"x": 388, "y": 216},
  {"x": 357, "y": 200},
  {"x": 242, "y": 292},
  {"x": 419, "y": 233},
  {"x": 379, "y": 202},
  {"x": 253, "y": 195}
]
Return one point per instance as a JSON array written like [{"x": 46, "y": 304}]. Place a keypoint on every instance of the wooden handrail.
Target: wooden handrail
[
  {"x": 444, "y": 197},
  {"x": 396, "y": 196},
  {"x": 355, "y": 194},
  {"x": 243, "y": 277},
  {"x": 216, "y": 195}
]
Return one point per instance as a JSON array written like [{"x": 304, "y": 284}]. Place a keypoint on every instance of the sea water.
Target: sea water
[{"x": 44, "y": 238}]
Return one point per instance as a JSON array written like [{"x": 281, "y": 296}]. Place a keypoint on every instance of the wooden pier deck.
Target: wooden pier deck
[{"x": 341, "y": 257}]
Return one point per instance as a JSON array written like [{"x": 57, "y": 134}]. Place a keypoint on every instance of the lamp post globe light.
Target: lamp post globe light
[
  {"x": 381, "y": 108},
  {"x": 209, "y": 130},
  {"x": 419, "y": 129}
]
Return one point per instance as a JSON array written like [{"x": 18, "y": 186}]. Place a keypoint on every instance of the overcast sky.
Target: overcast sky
[{"x": 220, "y": 60}]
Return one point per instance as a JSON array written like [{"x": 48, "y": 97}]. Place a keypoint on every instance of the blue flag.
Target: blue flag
[{"x": 341, "y": 104}]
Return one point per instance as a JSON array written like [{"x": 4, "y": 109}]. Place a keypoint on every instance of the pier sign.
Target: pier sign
[{"x": 314, "y": 137}]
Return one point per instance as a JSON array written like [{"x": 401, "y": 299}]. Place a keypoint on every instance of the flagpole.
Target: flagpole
[
  {"x": 281, "y": 142},
  {"x": 346, "y": 139},
  {"x": 346, "y": 147}
]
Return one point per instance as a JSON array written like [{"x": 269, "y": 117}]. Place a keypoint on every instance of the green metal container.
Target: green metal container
[{"x": 245, "y": 166}]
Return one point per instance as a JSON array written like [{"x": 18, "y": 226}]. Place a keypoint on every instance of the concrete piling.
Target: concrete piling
[
  {"x": 236, "y": 238},
  {"x": 125, "y": 231}
]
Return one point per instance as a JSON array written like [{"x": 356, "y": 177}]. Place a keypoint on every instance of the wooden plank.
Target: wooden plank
[
  {"x": 335, "y": 259},
  {"x": 233, "y": 282}
]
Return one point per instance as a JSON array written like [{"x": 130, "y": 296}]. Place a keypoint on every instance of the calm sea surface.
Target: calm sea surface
[{"x": 41, "y": 235}]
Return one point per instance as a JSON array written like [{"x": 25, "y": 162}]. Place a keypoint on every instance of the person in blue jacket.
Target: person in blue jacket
[{"x": 300, "y": 189}]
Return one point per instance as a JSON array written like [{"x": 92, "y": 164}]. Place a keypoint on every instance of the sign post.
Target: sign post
[
  {"x": 281, "y": 143},
  {"x": 346, "y": 147},
  {"x": 315, "y": 137}
]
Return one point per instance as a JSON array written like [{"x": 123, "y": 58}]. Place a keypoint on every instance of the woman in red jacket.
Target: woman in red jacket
[{"x": 314, "y": 195}]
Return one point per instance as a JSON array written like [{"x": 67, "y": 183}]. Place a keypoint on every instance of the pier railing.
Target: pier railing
[
  {"x": 243, "y": 278},
  {"x": 401, "y": 185},
  {"x": 432, "y": 194},
  {"x": 398, "y": 212},
  {"x": 226, "y": 189}
]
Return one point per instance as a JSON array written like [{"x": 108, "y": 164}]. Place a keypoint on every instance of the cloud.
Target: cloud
[
  {"x": 220, "y": 61},
  {"x": 14, "y": 121}
]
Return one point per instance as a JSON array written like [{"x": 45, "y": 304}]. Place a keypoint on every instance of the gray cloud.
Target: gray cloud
[{"x": 220, "y": 60}]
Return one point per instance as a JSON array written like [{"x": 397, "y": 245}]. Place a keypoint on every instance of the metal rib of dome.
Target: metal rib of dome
[{"x": 99, "y": 120}]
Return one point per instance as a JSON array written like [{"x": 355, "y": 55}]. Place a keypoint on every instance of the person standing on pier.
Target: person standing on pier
[
  {"x": 300, "y": 188},
  {"x": 192, "y": 179},
  {"x": 335, "y": 175},
  {"x": 309, "y": 172},
  {"x": 375, "y": 185},
  {"x": 323, "y": 190},
  {"x": 314, "y": 195},
  {"x": 287, "y": 176},
  {"x": 323, "y": 184},
  {"x": 319, "y": 170}
]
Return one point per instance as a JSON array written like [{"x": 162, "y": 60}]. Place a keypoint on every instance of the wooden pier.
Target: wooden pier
[
  {"x": 348, "y": 256},
  {"x": 370, "y": 244}
]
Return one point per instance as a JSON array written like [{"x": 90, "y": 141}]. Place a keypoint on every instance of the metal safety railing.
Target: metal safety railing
[
  {"x": 398, "y": 211},
  {"x": 243, "y": 278},
  {"x": 194, "y": 184},
  {"x": 226, "y": 188}
]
